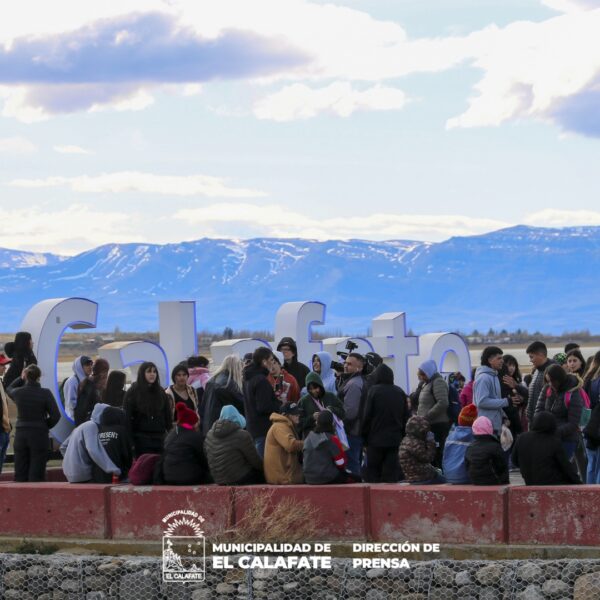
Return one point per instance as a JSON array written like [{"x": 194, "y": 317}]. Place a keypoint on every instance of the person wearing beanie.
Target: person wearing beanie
[
  {"x": 324, "y": 460},
  {"x": 485, "y": 459},
  {"x": 183, "y": 461},
  {"x": 384, "y": 419},
  {"x": 433, "y": 405},
  {"x": 230, "y": 450},
  {"x": 417, "y": 451},
  {"x": 316, "y": 400},
  {"x": 283, "y": 448},
  {"x": 459, "y": 438},
  {"x": 116, "y": 441},
  {"x": 287, "y": 346},
  {"x": 487, "y": 395},
  {"x": 540, "y": 456}
]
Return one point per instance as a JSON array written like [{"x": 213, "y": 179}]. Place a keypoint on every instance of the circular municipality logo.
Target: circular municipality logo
[{"x": 184, "y": 547}]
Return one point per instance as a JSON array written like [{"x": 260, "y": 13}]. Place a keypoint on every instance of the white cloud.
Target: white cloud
[
  {"x": 71, "y": 149},
  {"x": 554, "y": 217},
  {"x": 571, "y": 5},
  {"x": 16, "y": 145},
  {"x": 277, "y": 221},
  {"x": 67, "y": 231},
  {"x": 148, "y": 183},
  {"x": 298, "y": 101}
]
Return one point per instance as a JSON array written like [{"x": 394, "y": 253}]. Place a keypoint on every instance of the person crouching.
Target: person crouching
[
  {"x": 485, "y": 460},
  {"x": 283, "y": 448}
]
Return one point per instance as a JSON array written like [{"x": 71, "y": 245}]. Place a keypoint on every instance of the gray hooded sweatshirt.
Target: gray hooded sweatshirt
[
  {"x": 83, "y": 448},
  {"x": 71, "y": 386}
]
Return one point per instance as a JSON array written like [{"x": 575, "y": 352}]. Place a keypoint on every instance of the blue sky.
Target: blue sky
[{"x": 170, "y": 120}]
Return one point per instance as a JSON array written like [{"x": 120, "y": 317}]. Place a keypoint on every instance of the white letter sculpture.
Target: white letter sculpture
[
  {"x": 47, "y": 322},
  {"x": 121, "y": 355},
  {"x": 389, "y": 340},
  {"x": 177, "y": 327},
  {"x": 295, "y": 320}
]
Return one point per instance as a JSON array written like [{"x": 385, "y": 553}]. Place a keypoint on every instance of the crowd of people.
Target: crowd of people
[{"x": 268, "y": 418}]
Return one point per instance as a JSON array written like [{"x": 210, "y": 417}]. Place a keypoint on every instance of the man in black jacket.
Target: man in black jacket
[
  {"x": 384, "y": 419},
  {"x": 538, "y": 357},
  {"x": 115, "y": 438},
  {"x": 540, "y": 455},
  {"x": 259, "y": 398},
  {"x": 287, "y": 346}
]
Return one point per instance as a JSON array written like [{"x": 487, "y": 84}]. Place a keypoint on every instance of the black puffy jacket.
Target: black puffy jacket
[
  {"x": 260, "y": 401},
  {"x": 485, "y": 461}
]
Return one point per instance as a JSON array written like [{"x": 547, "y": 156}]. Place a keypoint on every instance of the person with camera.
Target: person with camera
[{"x": 350, "y": 393}]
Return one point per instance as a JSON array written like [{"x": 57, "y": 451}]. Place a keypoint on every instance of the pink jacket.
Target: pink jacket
[{"x": 466, "y": 394}]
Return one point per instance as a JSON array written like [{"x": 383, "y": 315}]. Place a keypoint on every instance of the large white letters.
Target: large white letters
[
  {"x": 295, "y": 320},
  {"x": 47, "y": 322}
]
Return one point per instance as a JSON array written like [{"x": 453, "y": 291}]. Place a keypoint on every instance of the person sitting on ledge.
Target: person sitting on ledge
[
  {"x": 417, "y": 451},
  {"x": 457, "y": 442},
  {"x": 230, "y": 450},
  {"x": 540, "y": 455},
  {"x": 283, "y": 448},
  {"x": 485, "y": 459}
]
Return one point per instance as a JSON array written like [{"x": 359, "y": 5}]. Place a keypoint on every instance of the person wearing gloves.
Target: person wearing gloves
[
  {"x": 485, "y": 460},
  {"x": 83, "y": 448},
  {"x": 324, "y": 459},
  {"x": 283, "y": 448},
  {"x": 82, "y": 369},
  {"x": 433, "y": 405},
  {"x": 457, "y": 442},
  {"x": 230, "y": 450},
  {"x": 487, "y": 397}
]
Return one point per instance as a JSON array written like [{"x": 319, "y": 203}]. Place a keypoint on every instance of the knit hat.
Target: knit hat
[
  {"x": 4, "y": 360},
  {"x": 185, "y": 416},
  {"x": 560, "y": 358},
  {"x": 467, "y": 415},
  {"x": 482, "y": 426},
  {"x": 231, "y": 413},
  {"x": 429, "y": 368}
]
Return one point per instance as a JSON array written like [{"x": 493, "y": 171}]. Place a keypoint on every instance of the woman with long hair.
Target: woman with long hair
[
  {"x": 21, "y": 353},
  {"x": 223, "y": 388},
  {"x": 148, "y": 410},
  {"x": 37, "y": 413},
  {"x": 114, "y": 393},
  {"x": 511, "y": 386},
  {"x": 576, "y": 363}
]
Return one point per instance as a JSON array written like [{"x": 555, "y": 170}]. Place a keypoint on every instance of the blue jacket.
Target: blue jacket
[
  {"x": 487, "y": 397},
  {"x": 453, "y": 462},
  {"x": 327, "y": 373},
  {"x": 83, "y": 448}
]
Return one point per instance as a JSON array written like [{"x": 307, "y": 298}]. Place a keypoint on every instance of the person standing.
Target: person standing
[
  {"x": 260, "y": 401},
  {"x": 114, "y": 393},
  {"x": 180, "y": 390},
  {"x": 82, "y": 369},
  {"x": 487, "y": 396},
  {"x": 37, "y": 413},
  {"x": 384, "y": 420},
  {"x": 350, "y": 393},
  {"x": 538, "y": 357},
  {"x": 284, "y": 384},
  {"x": 5, "y": 425},
  {"x": 21, "y": 353},
  {"x": 148, "y": 410},
  {"x": 317, "y": 399},
  {"x": 433, "y": 405},
  {"x": 287, "y": 346},
  {"x": 321, "y": 365}
]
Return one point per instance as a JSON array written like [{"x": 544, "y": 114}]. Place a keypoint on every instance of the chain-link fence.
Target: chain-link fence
[{"x": 65, "y": 577}]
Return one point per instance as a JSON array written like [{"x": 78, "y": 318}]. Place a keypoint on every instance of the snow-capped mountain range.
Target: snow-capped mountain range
[{"x": 521, "y": 277}]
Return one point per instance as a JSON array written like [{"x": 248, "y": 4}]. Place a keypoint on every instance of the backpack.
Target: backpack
[
  {"x": 61, "y": 392},
  {"x": 142, "y": 470},
  {"x": 586, "y": 411}
]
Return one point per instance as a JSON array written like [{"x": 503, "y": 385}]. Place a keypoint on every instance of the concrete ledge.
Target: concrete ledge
[
  {"x": 52, "y": 474},
  {"x": 557, "y": 515},
  {"x": 340, "y": 511},
  {"x": 136, "y": 512},
  {"x": 54, "y": 509},
  {"x": 439, "y": 513}
]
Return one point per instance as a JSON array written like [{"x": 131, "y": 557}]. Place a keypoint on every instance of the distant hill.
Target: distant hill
[{"x": 520, "y": 277}]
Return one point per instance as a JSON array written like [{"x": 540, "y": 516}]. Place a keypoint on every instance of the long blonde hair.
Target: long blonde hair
[{"x": 232, "y": 365}]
